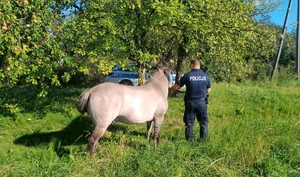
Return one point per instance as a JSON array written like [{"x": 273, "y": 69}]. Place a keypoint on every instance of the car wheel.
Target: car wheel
[{"x": 126, "y": 82}]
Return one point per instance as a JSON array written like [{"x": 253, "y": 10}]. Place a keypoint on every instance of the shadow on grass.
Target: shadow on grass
[
  {"x": 76, "y": 133},
  {"x": 25, "y": 100}
]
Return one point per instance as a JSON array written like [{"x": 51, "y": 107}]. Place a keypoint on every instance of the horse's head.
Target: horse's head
[
  {"x": 161, "y": 71},
  {"x": 166, "y": 72}
]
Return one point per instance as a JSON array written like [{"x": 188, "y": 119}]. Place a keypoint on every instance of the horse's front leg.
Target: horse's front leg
[
  {"x": 149, "y": 130},
  {"x": 157, "y": 125}
]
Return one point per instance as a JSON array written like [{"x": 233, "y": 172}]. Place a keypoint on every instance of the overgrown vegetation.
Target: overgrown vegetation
[
  {"x": 254, "y": 131},
  {"x": 48, "y": 43}
]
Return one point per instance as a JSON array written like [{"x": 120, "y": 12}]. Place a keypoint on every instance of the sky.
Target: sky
[{"x": 279, "y": 15}]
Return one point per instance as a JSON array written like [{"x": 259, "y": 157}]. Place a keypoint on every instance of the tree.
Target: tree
[
  {"x": 41, "y": 44},
  {"x": 119, "y": 32},
  {"x": 225, "y": 36},
  {"x": 29, "y": 53},
  {"x": 288, "y": 55}
]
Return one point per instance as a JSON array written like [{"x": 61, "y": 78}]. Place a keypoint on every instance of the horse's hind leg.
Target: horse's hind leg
[
  {"x": 94, "y": 138},
  {"x": 149, "y": 130}
]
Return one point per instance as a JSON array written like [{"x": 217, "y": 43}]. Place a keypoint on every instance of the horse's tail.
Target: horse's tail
[{"x": 83, "y": 100}]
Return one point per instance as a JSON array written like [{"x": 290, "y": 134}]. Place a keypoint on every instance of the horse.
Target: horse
[{"x": 111, "y": 102}]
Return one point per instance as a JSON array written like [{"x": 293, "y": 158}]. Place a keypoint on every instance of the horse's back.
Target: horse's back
[{"x": 113, "y": 89}]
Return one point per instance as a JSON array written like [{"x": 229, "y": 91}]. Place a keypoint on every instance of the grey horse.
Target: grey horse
[{"x": 108, "y": 102}]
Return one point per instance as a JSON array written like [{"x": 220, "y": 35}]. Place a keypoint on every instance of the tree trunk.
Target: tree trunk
[
  {"x": 181, "y": 56},
  {"x": 142, "y": 75}
]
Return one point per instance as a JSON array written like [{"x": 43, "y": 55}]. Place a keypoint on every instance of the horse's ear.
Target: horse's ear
[
  {"x": 166, "y": 70},
  {"x": 158, "y": 66},
  {"x": 163, "y": 68}
]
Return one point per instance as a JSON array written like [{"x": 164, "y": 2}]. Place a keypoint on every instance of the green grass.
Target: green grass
[{"x": 254, "y": 131}]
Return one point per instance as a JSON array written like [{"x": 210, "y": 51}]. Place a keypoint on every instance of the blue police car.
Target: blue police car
[{"x": 129, "y": 76}]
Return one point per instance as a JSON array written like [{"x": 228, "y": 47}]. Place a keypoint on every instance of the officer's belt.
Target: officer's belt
[{"x": 195, "y": 99}]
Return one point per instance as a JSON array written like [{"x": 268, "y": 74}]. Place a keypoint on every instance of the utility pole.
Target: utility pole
[
  {"x": 282, "y": 38},
  {"x": 297, "y": 43}
]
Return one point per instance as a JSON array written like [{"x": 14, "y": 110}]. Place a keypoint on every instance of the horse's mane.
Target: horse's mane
[{"x": 165, "y": 70}]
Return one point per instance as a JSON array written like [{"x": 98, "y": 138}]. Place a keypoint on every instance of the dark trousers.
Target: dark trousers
[{"x": 196, "y": 108}]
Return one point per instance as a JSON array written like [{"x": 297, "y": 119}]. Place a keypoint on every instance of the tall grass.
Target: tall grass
[{"x": 254, "y": 131}]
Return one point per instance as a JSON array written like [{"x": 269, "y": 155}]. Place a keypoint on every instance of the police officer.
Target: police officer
[{"x": 197, "y": 89}]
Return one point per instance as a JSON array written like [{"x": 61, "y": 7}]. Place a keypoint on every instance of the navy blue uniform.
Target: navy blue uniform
[{"x": 196, "y": 82}]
